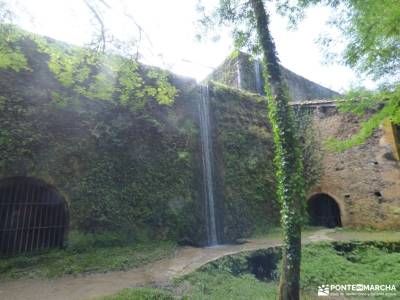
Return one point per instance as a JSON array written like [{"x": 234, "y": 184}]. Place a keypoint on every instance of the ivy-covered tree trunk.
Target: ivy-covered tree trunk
[{"x": 290, "y": 187}]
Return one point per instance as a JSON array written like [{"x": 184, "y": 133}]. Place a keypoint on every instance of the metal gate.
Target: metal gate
[
  {"x": 323, "y": 211},
  {"x": 33, "y": 216}
]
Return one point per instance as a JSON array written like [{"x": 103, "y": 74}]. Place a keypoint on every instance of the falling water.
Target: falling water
[
  {"x": 239, "y": 75},
  {"x": 206, "y": 143},
  {"x": 257, "y": 75}
]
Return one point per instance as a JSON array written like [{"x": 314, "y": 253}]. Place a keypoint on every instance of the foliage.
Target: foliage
[
  {"x": 88, "y": 73},
  {"x": 361, "y": 102},
  {"x": 17, "y": 137},
  {"x": 369, "y": 263},
  {"x": 289, "y": 169},
  {"x": 222, "y": 285},
  {"x": 245, "y": 145},
  {"x": 129, "y": 167},
  {"x": 231, "y": 12},
  {"x": 311, "y": 152},
  {"x": 365, "y": 264},
  {"x": 372, "y": 38},
  {"x": 371, "y": 31},
  {"x": 107, "y": 77},
  {"x": 87, "y": 254},
  {"x": 141, "y": 294},
  {"x": 118, "y": 162},
  {"x": 250, "y": 27},
  {"x": 11, "y": 56},
  {"x": 338, "y": 263}
]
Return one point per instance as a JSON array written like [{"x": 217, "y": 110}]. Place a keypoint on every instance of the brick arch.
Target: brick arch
[
  {"x": 339, "y": 201},
  {"x": 33, "y": 216}
]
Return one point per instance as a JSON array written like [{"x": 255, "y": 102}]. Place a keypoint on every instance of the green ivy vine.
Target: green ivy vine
[
  {"x": 11, "y": 56},
  {"x": 88, "y": 73}
]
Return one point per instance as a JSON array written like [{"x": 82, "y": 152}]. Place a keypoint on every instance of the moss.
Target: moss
[
  {"x": 87, "y": 254},
  {"x": 118, "y": 163},
  {"x": 226, "y": 73},
  {"x": 142, "y": 294},
  {"x": 122, "y": 145},
  {"x": 244, "y": 150},
  {"x": 11, "y": 56},
  {"x": 88, "y": 73}
]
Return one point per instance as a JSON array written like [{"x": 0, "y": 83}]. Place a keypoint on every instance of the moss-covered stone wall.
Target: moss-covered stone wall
[
  {"x": 238, "y": 71},
  {"x": 127, "y": 156},
  {"x": 118, "y": 166},
  {"x": 244, "y": 156}
]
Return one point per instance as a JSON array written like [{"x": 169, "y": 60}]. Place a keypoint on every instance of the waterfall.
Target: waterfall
[
  {"x": 239, "y": 75},
  {"x": 257, "y": 75},
  {"x": 207, "y": 155}
]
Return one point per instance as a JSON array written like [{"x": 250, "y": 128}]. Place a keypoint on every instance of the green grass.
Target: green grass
[
  {"x": 365, "y": 234},
  {"x": 321, "y": 264},
  {"x": 276, "y": 232},
  {"x": 223, "y": 285},
  {"x": 270, "y": 233},
  {"x": 366, "y": 264},
  {"x": 142, "y": 294},
  {"x": 86, "y": 254}
]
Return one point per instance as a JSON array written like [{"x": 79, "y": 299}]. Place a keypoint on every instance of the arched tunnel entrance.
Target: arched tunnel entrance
[
  {"x": 323, "y": 210},
  {"x": 33, "y": 216}
]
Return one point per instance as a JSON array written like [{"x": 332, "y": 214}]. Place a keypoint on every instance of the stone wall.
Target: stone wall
[
  {"x": 364, "y": 180},
  {"x": 244, "y": 152},
  {"x": 135, "y": 165},
  {"x": 239, "y": 71},
  {"x": 132, "y": 168}
]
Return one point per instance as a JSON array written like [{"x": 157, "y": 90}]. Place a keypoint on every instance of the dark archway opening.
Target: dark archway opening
[
  {"x": 33, "y": 216},
  {"x": 324, "y": 211}
]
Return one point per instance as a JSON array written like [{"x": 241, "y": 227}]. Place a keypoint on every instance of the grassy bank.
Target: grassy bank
[
  {"x": 86, "y": 254},
  {"x": 322, "y": 264}
]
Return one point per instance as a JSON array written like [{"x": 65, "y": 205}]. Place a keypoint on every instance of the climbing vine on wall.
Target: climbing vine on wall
[
  {"x": 378, "y": 106},
  {"x": 245, "y": 157},
  {"x": 311, "y": 152},
  {"x": 102, "y": 129},
  {"x": 107, "y": 77},
  {"x": 11, "y": 56},
  {"x": 88, "y": 73},
  {"x": 17, "y": 137}
]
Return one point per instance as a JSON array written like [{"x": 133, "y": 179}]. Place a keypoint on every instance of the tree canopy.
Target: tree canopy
[{"x": 371, "y": 31}]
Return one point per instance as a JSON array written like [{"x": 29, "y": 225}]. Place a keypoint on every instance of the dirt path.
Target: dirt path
[{"x": 185, "y": 260}]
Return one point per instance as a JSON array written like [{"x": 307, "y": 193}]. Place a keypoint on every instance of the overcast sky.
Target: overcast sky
[{"x": 170, "y": 41}]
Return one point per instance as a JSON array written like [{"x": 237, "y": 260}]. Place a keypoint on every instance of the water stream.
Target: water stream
[
  {"x": 239, "y": 75},
  {"x": 257, "y": 75},
  {"x": 207, "y": 156}
]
